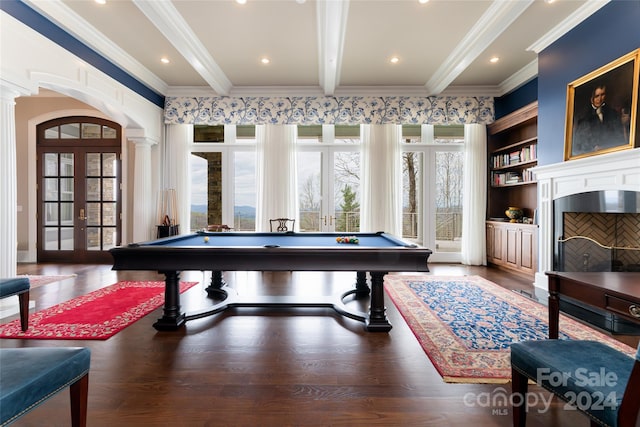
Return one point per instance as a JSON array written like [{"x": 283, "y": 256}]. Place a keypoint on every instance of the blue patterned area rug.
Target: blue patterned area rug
[{"x": 466, "y": 324}]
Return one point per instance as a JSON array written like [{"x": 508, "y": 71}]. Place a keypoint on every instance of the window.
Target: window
[{"x": 223, "y": 168}]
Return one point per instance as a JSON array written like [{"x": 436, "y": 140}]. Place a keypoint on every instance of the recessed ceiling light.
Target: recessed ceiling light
[
  {"x": 394, "y": 60},
  {"x": 101, "y": 1},
  {"x": 494, "y": 60},
  {"x": 265, "y": 61},
  {"x": 165, "y": 60},
  {"x": 423, "y": 1},
  {"x": 241, "y": 1}
]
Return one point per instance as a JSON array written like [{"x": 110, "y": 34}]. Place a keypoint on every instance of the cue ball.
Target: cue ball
[{"x": 206, "y": 239}]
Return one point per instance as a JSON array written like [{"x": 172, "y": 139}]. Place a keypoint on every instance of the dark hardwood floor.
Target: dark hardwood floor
[{"x": 266, "y": 367}]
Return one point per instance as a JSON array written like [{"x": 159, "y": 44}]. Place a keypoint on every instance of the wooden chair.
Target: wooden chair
[
  {"x": 282, "y": 224},
  {"x": 602, "y": 381}
]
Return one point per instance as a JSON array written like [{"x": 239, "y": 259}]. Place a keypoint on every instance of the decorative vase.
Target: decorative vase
[{"x": 513, "y": 213}]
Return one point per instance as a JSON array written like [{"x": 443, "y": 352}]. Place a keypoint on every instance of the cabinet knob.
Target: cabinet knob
[{"x": 634, "y": 310}]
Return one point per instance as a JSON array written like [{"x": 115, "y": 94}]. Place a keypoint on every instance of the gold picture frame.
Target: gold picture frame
[{"x": 602, "y": 109}]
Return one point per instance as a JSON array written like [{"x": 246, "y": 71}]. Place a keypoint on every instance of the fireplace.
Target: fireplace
[
  {"x": 572, "y": 197},
  {"x": 597, "y": 231}
]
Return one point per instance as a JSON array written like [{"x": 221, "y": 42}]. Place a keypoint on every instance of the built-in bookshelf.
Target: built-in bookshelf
[
  {"x": 510, "y": 164},
  {"x": 512, "y": 150},
  {"x": 512, "y": 147}
]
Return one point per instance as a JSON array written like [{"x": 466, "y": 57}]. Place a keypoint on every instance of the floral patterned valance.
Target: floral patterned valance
[{"x": 328, "y": 110}]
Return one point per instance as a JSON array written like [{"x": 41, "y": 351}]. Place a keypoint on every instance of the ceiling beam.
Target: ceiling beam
[
  {"x": 582, "y": 13},
  {"x": 332, "y": 27},
  {"x": 497, "y": 18},
  {"x": 172, "y": 25},
  {"x": 59, "y": 13}
]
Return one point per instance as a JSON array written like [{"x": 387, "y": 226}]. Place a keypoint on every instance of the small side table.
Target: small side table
[{"x": 167, "y": 230}]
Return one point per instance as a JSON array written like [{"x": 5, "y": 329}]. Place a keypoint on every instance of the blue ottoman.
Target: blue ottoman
[
  {"x": 600, "y": 381},
  {"x": 29, "y": 376},
  {"x": 18, "y": 286}
]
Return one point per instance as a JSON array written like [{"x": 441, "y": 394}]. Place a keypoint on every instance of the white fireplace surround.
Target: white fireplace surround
[{"x": 613, "y": 171}]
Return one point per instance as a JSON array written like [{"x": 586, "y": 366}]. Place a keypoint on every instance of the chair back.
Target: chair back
[{"x": 282, "y": 224}]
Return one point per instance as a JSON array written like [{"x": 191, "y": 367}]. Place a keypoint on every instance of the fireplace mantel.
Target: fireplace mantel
[{"x": 613, "y": 171}]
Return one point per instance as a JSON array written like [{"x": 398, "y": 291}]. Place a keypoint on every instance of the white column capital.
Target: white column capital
[
  {"x": 143, "y": 141},
  {"x": 138, "y": 137}
]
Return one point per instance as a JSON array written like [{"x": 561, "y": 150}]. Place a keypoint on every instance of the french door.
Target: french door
[
  {"x": 329, "y": 184},
  {"x": 79, "y": 197}
]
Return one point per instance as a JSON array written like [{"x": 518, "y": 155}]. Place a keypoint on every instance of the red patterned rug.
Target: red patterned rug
[
  {"x": 466, "y": 324},
  {"x": 95, "y": 316}
]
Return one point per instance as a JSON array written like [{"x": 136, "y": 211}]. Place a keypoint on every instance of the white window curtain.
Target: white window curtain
[
  {"x": 175, "y": 167},
  {"x": 381, "y": 174},
  {"x": 474, "y": 195},
  {"x": 276, "y": 174}
]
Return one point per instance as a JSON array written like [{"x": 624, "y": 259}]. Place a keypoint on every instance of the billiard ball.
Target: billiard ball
[{"x": 206, "y": 239}]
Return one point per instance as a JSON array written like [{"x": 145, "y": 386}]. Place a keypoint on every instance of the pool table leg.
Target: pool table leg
[
  {"x": 217, "y": 282},
  {"x": 377, "y": 321},
  {"x": 362, "y": 289},
  {"x": 172, "y": 318}
]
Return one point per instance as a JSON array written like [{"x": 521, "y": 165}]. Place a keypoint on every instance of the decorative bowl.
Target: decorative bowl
[{"x": 513, "y": 213}]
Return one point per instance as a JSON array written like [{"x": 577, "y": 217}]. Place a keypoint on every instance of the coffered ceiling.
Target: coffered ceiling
[{"x": 321, "y": 47}]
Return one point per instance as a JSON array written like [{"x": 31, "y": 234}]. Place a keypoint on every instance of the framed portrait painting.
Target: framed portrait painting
[{"x": 602, "y": 109}]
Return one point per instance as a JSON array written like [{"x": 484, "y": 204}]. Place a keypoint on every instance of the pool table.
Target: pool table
[{"x": 375, "y": 253}]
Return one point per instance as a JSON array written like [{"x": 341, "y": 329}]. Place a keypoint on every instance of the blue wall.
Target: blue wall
[
  {"x": 520, "y": 97},
  {"x": 608, "y": 34}
]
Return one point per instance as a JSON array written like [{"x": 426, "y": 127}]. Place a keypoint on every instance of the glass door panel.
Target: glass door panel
[
  {"x": 244, "y": 191},
  {"x": 346, "y": 200},
  {"x": 412, "y": 179},
  {"x": 449, "y": 169},
  {"x": 101, "y": 210},
  {"x": 310, "y": 190},
  {"x": 59, "y": 197}
]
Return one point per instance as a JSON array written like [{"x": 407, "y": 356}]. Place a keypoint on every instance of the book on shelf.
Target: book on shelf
[
  {"x": 525, "y": 154},
  {"x": 511, "y": 177}
]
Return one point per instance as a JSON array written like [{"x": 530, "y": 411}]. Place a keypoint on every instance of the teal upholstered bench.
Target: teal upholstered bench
[
  {"x": 600, "y": 381},
  {"x": 18, "y": 286},
  {"x": 29, "y": 376}
]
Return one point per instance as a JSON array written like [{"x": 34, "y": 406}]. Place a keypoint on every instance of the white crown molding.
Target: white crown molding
[
  {"x": 190, "y": 91},
  {"x": 585, "y": 11},
  {"x": 59, "y": 13},
  {"x": 522, "y": 76},
  {"x": 497, "y": 18},
  {"x": 381, "y": 91},
  {"x": 316, "y": 91},
  {"x": 172, "y": 25},
  {"x": 276, "y": 91},
  {"x": 332, "y": 29},
  {"x": 488, "y": 90}
]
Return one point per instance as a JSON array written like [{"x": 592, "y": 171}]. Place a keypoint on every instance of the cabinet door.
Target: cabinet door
[
  {"x": 512, "y": 247},
  {"x": 528, "y": 250},
  {"x": 490, "y": 233},
  {"x": 495, "y": 244}
]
